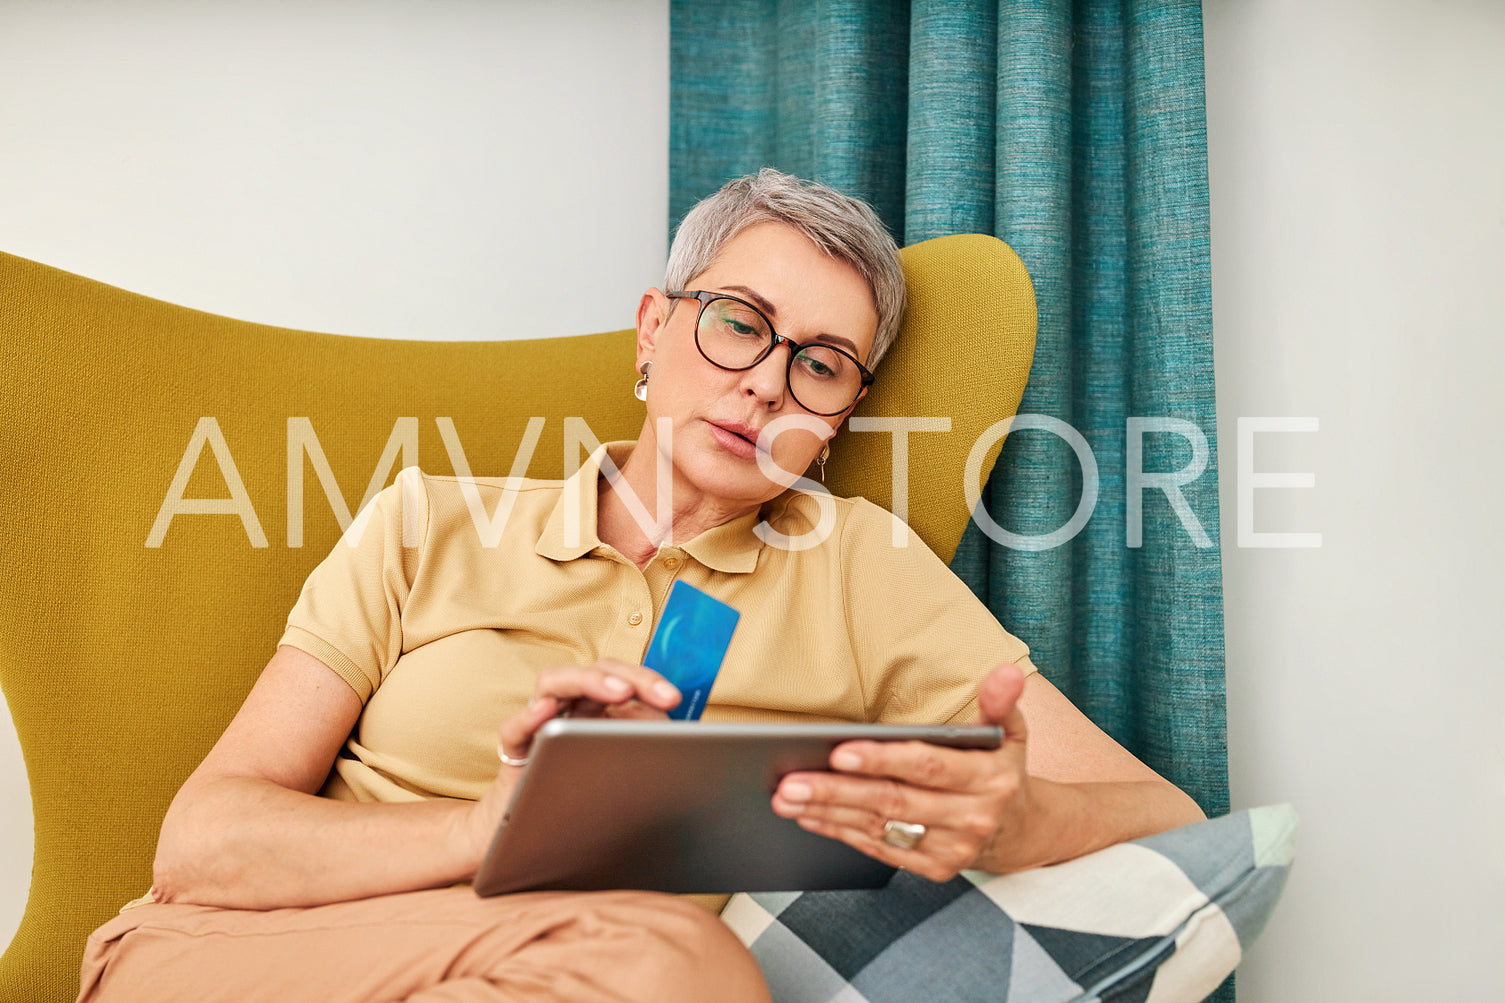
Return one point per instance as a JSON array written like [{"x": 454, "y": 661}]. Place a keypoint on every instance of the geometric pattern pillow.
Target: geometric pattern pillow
[{"x": 1164, "y": 918}]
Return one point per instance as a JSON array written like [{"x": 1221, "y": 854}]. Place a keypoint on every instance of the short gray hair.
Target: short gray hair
[{"x": 843, "y": 227}]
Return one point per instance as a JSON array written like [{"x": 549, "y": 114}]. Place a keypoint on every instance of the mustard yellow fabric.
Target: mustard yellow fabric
[
  {"x": 440, "y": 633},
  {"x": 122, "y": 662}
]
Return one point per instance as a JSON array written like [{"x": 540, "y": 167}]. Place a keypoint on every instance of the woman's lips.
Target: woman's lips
[{"x": 737, "y": 439}]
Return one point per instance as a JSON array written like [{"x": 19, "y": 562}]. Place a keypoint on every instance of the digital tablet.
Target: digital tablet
[{"x": 677, "y": 806}]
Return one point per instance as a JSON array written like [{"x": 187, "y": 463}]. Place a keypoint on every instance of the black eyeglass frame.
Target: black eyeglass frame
[{"x": 706, "y": 298}]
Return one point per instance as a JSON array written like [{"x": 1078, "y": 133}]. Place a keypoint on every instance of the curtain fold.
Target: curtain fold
[{"x": 1076, "y": 132}]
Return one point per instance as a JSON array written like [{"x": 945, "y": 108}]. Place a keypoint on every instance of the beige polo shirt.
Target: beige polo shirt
[{"x": 446, "y": 599}]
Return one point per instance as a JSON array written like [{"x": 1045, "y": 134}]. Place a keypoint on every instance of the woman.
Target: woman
[{"x": 321, "y": 849}]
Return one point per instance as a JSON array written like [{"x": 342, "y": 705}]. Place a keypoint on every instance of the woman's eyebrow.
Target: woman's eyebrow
[
  {"x": 757, "y": 300},
  {"x": 773, "y": 314}
]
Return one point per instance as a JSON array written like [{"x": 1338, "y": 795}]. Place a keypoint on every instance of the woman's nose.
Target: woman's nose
[{"x": 768, "y": 381}]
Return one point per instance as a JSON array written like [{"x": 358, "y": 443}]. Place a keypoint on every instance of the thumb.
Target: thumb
[{"x": 998, "y": 701}]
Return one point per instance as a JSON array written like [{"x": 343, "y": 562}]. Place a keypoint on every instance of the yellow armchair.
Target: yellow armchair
[{"x": 172, "y": 476}]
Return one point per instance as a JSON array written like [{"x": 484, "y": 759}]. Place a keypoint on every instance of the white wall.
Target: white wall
[
  {"x": 1357, "y": 158},
  {"x": 458, "y": 169},
  {"x": 446, "y": 170},
  {"x": 450, "y": 170}
]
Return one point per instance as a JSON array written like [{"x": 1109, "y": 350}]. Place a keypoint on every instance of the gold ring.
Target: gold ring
[{"x": 904, "y": 835}]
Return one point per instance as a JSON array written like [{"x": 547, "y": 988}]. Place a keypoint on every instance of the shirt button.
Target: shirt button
[
  {"x": 671, "y": 563},
  {"x": 635, "y": 619}
]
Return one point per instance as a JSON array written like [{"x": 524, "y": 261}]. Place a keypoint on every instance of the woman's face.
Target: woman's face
[{"x": 717, "y": 415}]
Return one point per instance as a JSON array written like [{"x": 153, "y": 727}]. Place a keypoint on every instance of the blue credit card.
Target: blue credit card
[{"x": 688, "y": 645}]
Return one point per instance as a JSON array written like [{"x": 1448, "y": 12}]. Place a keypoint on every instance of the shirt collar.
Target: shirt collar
[{"x": 731, "y": 547}]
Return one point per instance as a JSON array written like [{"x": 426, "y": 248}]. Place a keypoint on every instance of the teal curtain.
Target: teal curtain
[{"x": 1076, "y": 132}]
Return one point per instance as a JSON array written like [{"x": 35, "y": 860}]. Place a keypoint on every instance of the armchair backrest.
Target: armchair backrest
[{"x": 172, "y": 477}]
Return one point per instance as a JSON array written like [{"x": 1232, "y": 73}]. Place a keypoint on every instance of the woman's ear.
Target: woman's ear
[{"x": 653, "y": 314}]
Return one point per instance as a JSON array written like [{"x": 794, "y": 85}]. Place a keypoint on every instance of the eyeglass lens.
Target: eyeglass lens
[{"x": 734, "y": 336}]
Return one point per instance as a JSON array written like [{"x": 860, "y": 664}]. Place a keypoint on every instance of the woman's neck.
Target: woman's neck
[{"x": 636, "y": 528}]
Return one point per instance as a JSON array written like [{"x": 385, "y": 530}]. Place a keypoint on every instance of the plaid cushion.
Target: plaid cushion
[{"x": 1159, "y": 919}]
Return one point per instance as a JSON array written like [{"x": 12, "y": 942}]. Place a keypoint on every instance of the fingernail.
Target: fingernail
[
  {"x": 665, "y": 690},
  {"x": 844, "y": 759},
  {"x": 795, "y": 791},
  {"x": 617, "y": 685}
]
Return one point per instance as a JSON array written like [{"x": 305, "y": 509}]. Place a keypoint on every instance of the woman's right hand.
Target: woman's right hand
[
  {"x": 607, "y": 688},
  {"x": 249, "y": 831}
]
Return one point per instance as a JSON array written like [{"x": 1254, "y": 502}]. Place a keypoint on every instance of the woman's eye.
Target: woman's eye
[{"x": 815, "y": 367}]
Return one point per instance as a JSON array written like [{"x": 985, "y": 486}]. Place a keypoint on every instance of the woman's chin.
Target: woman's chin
[{"x": 730, "y": 482}]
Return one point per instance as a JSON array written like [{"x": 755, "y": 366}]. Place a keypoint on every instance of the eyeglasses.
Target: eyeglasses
[{"x": 734, "y": 335}]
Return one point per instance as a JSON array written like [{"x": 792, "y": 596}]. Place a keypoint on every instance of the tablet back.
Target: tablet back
[{"x": 678, "y": 807}]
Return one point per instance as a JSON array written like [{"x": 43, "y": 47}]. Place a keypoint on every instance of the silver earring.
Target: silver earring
[
  {"x": 640, "y": 389},
  {"x": 820, "y": 461}
]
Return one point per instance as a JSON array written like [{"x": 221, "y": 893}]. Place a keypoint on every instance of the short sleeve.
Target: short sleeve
[
  {"x": 924, "y": 642},
  {"x": 349, "y": 615}
]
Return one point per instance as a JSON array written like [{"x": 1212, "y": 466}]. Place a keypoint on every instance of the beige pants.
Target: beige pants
[{"x": 446, "y": 944}]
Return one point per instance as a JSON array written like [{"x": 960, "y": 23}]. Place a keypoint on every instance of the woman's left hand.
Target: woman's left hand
[{"x": 974, "y": 804}]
